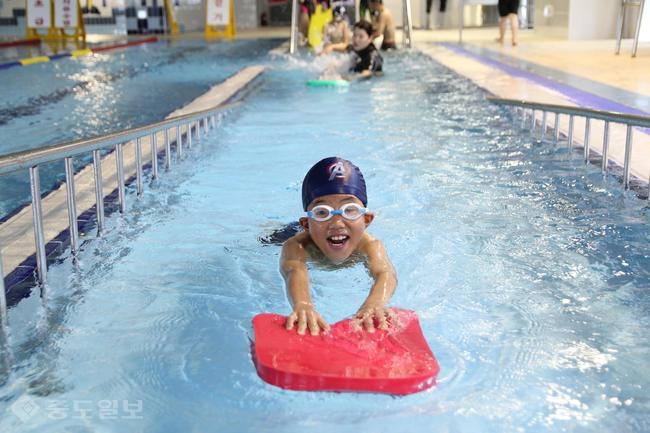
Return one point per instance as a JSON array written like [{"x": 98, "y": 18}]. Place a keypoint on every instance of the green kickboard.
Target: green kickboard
[{"x": 328, "y": 83}]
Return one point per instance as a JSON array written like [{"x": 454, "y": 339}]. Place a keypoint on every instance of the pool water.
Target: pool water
[
  {"x": 529, "y": 273},
  {"x": 72, "y": 99}
]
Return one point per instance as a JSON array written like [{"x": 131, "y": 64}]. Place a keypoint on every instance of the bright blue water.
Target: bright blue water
[
  {"x": 528, "y": 271},
  {"x": 71, "y": 99}
]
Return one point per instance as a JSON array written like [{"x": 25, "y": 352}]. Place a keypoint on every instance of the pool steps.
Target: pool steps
[{"x": 17, "y": 234}]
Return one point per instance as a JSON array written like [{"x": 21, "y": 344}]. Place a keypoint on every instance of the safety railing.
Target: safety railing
[
  {"x": 194, "y": 124},
  {"x": 621, "y": 22},
  {"x": 630, "y": 121},
  {"x": 407, "y": 23},
  {"x": 293, "y": 43}
]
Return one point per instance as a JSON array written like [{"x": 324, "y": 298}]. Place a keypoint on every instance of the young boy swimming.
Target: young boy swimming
[
  {"x": 364, "y": 60},
  {"x": 334, "y": 198}
]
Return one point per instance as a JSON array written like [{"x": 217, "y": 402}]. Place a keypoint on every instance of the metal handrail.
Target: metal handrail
[
  {"x": 611, "y": 116},
  {"x": 629, "y": 120},
  {"x": 621, "y": 21},
  {"x": 31, "y": 159},
  {"x": 293, "y": 46},
  {"x": 407, "y": 24}
]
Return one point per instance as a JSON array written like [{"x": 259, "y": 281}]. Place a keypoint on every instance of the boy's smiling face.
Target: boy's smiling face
[{"x": 337, "y": 237}]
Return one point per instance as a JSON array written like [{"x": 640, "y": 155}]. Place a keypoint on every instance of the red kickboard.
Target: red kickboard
[{"x": 396, "y": 361}]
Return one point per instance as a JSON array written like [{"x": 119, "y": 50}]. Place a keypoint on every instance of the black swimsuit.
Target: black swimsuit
[{"x": 367, "y": 59}]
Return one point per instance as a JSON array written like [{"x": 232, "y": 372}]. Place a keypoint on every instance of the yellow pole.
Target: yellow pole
[
  {"x": 52, "y": 34},
  {"x": 80, "y": 31},
  {"x": 171, "y": 22},
  {"x": 232, "y": 31}
]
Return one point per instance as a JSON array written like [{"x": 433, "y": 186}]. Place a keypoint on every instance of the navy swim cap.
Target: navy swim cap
[{"x": 333, "y": 176}]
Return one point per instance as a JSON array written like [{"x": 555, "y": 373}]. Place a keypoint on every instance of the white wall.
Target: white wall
[
  {"x": 551, "y": 13},
  {"x": 596, "y": 19},
  {"x": 7, "y": 7},
  {"x": 592, "y": 19},
  {"x": 645, "y": 24},
  {"x": 448, "y": 19},
  {"x": 246, "y": 15}
]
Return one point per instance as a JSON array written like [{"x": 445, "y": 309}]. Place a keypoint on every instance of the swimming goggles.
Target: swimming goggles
[{"x": 349, "y": 211}]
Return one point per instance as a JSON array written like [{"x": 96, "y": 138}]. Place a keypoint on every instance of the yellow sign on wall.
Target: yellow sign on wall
[
  {"x": 65, "y": 13},
  {"x": 219, "y": 19},
  {"x": 39, "y": 14},
  {"x": 218, "y": 12}
]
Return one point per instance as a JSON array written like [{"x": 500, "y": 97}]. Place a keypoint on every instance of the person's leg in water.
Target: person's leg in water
[{"x": 514, "y": 28}]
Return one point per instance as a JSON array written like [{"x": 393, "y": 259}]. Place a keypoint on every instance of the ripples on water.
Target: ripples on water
[
  {"x": 71, "y": 99},
  {"x": 528, "y": 272}
]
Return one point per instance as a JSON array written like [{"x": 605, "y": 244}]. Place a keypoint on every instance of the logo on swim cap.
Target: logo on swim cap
[
  {"x": 337, "y": 170},
  {"x": 333, "y": 176}
]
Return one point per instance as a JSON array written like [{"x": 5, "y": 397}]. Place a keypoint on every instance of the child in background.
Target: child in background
[
  {"x": 336, "y": 34},
  {"x": 366, "y": 60},
  {"x": 334, "y": 198},
  {"x": 384, "y": 24}
]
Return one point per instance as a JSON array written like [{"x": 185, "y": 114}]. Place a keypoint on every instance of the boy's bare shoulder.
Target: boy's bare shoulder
[
  {"x": 376, "y": 256},
  {"x": 370, "y": 244},
  {"x": 296, "y": 243}
]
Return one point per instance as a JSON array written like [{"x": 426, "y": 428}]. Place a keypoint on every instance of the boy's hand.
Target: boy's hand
[
  {"x": 305, "y": 315},
  {"x": 367, "y": 314}
]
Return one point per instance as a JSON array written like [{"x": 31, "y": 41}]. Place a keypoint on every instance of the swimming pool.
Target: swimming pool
[
  {"x": 529, "y": 273},
  {"x": 71, "y": 99}
]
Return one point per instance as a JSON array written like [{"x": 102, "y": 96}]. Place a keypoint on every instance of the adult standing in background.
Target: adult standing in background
[
  {"x": 508, "y": 12},
  {"x": 383, "y": 24}
]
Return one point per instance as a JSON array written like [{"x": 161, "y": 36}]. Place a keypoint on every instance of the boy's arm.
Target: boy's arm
[
  {"x": 294, "y": 271},
  {"x": 383, "y": 272},
  {"x": 341, "y": 47}
]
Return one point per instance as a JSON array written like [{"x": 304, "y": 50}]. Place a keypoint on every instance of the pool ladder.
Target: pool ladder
[
  {"x": 621, "y": 21},
  {"x": 630, "y": 121},
  {"x": 194, "y": 124}
]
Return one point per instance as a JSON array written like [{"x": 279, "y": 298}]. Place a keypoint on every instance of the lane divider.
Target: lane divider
[
  {"x": 75, "y": 53},
  {"x": 19, "y": 42},
  {"x": 32, "y": 60},
  {"x": 79, "y": 53}
]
